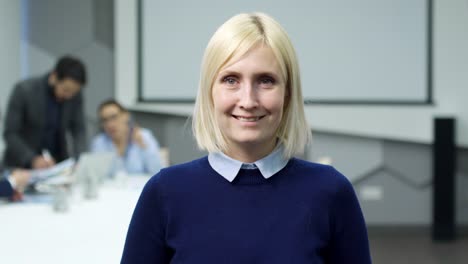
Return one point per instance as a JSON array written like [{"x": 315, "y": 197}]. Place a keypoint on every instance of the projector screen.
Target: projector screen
[{"x": 360, "y": 51}]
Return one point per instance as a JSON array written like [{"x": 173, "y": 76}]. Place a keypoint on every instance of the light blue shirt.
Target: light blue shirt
[
  {"x": 136, "y": 159},
  {"x": 229, "y": 167}
]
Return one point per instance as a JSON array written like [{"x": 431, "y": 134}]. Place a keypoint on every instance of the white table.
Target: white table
[{"x": 91, "y": 231}]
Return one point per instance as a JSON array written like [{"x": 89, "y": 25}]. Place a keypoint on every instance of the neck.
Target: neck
[{"x": 248, "y": 152}]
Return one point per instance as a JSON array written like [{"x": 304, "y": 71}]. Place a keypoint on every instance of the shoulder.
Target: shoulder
[
  {"x": 181, "y": 174},
  {"x": 326, "y": 176},
  {"x": 173, "y": 186},
  {"x": 30, "y": 85},
  {"x": 186, "y": 170},
  {"x": 146, "y": 133},
  {"x": 321, "y": 171}
]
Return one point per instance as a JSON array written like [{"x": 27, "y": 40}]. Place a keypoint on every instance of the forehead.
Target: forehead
[
  {"x": 260, "y": 58},
  {"x": 109, "y": 109}
]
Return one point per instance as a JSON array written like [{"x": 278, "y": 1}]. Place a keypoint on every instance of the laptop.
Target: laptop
[{"x": 94, "y": 165}]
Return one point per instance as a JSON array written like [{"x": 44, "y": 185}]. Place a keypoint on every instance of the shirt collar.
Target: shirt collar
[{"x": 229, "y": 167}]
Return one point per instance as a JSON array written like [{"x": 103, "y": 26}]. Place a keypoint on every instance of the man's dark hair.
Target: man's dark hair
[{"x": 70, "y": 67}]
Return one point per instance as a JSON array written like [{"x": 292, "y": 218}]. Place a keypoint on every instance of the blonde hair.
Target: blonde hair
[{"x": 233, "y": 39}]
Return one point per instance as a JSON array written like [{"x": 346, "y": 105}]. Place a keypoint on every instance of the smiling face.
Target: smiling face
[{"x": 249, "y": 97}]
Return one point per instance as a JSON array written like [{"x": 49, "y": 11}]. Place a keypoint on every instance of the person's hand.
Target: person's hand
[
  {"x": 138, "y": 138},
  {"x": 41, "y": 162},
  {"x": 21, "y": 179}
]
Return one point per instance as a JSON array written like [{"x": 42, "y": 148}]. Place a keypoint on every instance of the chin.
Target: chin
[{"x": 250, "y": 141}]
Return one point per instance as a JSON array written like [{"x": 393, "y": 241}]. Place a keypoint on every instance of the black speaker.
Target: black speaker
[{"x": 443, "y": 161}]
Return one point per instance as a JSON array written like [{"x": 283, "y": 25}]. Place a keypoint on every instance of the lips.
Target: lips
[{"x": 248, "y": 118}]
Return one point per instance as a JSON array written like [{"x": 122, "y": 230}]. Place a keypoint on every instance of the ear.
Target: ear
[{"x": 126, "y": 116}]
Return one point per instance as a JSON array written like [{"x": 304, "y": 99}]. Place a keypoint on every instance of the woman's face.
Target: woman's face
[
  {"x": 249, "y": 97},
  {"x": 114, "y": 121}
]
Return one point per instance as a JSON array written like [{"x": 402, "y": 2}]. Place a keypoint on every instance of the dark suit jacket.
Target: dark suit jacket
[
  {"x": 5, "y": 186},
  {"x": 25, "y": 123}
]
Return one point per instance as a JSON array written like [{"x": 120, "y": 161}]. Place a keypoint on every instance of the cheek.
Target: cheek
[
  {"x": 222, "y": 101},
  {"x": 275, "y": 104},
  {"x": 279, "y": 113}
]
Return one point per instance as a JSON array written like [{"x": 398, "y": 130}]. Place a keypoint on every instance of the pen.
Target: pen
[{"x": 46, "y": 155}]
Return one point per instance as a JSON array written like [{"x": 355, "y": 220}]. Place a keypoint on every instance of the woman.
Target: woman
[
  {"x": 137, "y": 151},
  {"x": 249, "y": 201}
]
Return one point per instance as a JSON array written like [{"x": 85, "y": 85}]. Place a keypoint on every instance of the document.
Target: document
[{"x": 60, "y": 169}]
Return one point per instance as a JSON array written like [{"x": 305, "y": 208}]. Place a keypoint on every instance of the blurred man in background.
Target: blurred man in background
[{"x": 41, "y": 110}]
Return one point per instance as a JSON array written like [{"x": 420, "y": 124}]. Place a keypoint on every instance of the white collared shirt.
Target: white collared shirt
[{"x": 229, "y": 167}]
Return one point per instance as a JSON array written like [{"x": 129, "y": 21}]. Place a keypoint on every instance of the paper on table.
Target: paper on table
[{"x": 63, "y": 168}]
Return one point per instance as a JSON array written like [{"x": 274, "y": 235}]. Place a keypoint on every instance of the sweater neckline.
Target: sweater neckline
[{"x": 250, "y": 176}]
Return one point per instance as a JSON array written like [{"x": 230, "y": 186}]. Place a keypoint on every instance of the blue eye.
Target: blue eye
[
  {"x": 267, "y": 81},
  {"x": 230, "y": 80}
]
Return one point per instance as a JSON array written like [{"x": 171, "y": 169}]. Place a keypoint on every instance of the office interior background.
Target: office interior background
[{"x": 392, "y": 176}]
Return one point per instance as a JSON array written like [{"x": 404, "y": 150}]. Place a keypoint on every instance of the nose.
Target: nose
[
  {"x": 248, "y": 97},
  {"x": 109, "y": 126}
]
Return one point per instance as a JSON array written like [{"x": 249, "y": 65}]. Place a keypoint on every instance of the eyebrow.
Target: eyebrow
[
  {"x": 255, "y": 75},
  {"x": 109, "y": 116}
]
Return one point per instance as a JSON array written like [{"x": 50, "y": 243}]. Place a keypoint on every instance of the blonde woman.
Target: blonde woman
[{"x": 249, "y": 200}]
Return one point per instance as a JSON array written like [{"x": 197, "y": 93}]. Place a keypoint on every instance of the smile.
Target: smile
[{"x": 248, "y": 119}]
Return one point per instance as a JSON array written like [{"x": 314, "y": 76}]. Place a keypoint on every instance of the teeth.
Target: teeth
[{"x": 249, "y": 119}]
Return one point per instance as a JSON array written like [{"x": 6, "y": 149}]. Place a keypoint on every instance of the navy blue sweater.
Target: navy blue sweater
[{"x": 306, "y": 213}]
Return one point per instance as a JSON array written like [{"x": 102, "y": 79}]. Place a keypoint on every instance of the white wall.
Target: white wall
[
  {"x": 125, "y": 34},
  {"x": 450, "y": 88},
  {"x": 360, "y": 50},
  {"x": 408, "y": 123},
  {"x": 10, "y": 39}
]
